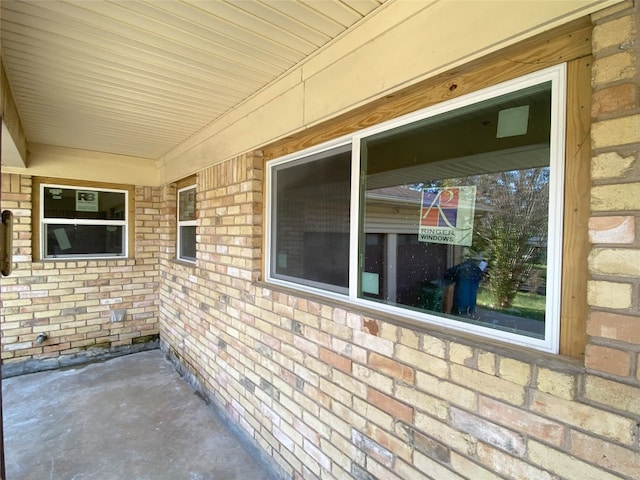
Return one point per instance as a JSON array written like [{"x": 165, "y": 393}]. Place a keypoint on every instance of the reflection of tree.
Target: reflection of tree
[
  {"x": 510, "y": 227},
  {"x": 513, "y": 229}
]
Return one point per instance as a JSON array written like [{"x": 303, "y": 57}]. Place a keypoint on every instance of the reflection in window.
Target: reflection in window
[
  {"x": 83, "y": 222},
  {"x": 311, "y": 234},
  {"x": 456, "y": 210}
]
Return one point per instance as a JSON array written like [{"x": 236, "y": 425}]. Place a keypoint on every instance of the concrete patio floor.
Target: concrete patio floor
[{"x": 132, "y": 417}]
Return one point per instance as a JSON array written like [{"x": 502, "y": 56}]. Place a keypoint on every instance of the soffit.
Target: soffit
[{"x": 138, "y": 78}]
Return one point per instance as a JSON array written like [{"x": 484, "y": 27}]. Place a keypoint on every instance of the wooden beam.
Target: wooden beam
[
  {"x": 566, "y": 43},
  {"x": 573, "y": 329}
]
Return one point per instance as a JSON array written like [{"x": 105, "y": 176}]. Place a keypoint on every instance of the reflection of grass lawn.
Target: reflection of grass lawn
[{"x": 527, "y": 305}]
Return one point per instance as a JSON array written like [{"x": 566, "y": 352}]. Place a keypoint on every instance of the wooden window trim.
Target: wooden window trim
[
  {"x": 570, "y": 43},
  {"x": 577, "y": 209},
  {"x": 35, "y": 213},
  {"x": 191, "y": 180}
]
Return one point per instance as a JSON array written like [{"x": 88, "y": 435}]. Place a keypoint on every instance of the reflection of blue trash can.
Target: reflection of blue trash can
[
  {"x": 431, "y": 296},
  {"x": 467, "y": 276}
]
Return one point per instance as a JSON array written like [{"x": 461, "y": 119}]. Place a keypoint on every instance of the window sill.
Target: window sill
[
  {"x": 182, "y": 263},
  {"x": 84, "y": 261}
]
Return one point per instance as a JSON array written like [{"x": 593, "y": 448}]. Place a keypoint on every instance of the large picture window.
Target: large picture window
[
  {"x": 187, "y": 224},
  {"x": 451, "y": 215},
  {"x": 83, "y": 222}
]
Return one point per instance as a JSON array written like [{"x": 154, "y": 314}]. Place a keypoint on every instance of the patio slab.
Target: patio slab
[{"x": 132, "y": 417}]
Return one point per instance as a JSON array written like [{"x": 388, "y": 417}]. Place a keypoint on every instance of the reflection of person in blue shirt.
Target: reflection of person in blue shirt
[{"x": 467, "y": 276}]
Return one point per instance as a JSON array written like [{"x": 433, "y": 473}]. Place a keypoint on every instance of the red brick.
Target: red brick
[
  {"x": 614, "y": 99},
  {"x": 605, "y": 454},
  {"x": 390, "y": 442},
  {"x": 609, "y": 360},
  {"x": 522, "y": 421},
  {"x": 615, "y": 229},
  {"x": 392, "y": 368},
  {"x": 390, "y": 405},
  {"x": 337, "y": 361},
  {"x": 306, "y": 431},
  {"x": 624, "y": 328}
]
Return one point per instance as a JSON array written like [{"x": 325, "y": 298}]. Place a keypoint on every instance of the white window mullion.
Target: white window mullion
[
  {"x": 354, "y": 221},
  {"x": 82, "y": 221}
]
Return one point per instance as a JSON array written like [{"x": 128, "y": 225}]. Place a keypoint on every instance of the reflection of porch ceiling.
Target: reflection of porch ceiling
[{"x": 519, "y": 158}]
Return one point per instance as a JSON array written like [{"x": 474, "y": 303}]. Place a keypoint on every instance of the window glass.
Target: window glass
[
  {"x": 188, "y": 243},
  {"x": 462, "y": 201},
  {"x": 187, "y": 204},
  {"x": 76, "y": 203},
  {"x": 311, "y": 211},
  {"x": 79, "y": 240},
  {"x": 187, "y": 224},
  {"x": 83, "y": 222}
]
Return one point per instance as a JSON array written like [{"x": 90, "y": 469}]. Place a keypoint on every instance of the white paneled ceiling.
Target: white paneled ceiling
[{"x": 137, "y": 78}]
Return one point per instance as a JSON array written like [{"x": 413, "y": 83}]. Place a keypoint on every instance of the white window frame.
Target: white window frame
[
  {"x": 339, "y": 146},
  {"x": 550, "y": 343},
  {"x": 183, "y": 223},
  {"x": 80, "y": 221}
]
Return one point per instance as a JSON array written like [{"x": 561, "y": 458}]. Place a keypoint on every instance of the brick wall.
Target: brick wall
[
  {"x": 71, "y": 301},
  {"x": 327, "y": 391},
  {"x": 614, "y": 263}
]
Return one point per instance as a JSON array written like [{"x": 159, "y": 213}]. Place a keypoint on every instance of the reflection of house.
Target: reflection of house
[{"x": 393, "y": 251}]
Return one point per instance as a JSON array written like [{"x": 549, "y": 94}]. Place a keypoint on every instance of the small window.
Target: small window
[
  {"x": 187, "y": 224},
  {"x": 83, "y": 222}
]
